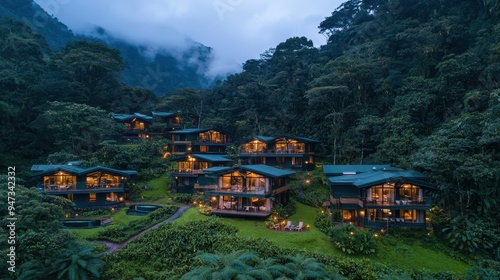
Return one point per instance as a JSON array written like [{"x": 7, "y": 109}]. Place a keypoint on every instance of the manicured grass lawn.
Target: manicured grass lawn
[
  {"x": 120, "y": 217},
  {"x": 312, "y": 240},
  {"x": 156, "y": 191},
  {"x": 407, "y": 253},
  {"x": 411, "y": 253}
]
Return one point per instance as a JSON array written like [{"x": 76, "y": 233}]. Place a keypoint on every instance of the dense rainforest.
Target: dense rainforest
[
  {"x": 164, "y": 69},
  {"x": 414, "y": 84}
]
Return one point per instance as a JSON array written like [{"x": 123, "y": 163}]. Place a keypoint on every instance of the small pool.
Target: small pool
[
  {"x": 90, "y": 223},
  {"x": 142, "y": 209}
]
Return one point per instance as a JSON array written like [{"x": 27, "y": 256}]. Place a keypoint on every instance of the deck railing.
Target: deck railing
[
  {"x": 364, "y": 203},
  {"x": 72, "y": 188}
]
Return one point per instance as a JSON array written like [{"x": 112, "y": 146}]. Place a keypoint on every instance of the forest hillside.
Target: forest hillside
[{"x": 414, "y": 84}]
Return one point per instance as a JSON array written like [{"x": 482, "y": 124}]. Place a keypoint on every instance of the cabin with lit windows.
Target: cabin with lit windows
[
  {"x": 379, "y": 196},
  {"x": 163, "y": 122},
  {"x": 95, "y": 187},
  {"x": 246, "y": 190},
  {"x": 199, "y": 141},
  {"x": 190, "y": 171},
  {"x": 284, "y": 151},
  {"x": 136, "y": 126}
]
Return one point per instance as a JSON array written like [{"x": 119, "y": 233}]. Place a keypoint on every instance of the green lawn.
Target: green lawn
[
  {"x": 411, "y": 253},
  {"x": 408, "y": 253},
  {"x": 156, "y": 191},
  {"x": 312, "y": 240},
  {"x": 120, "y": 217}
]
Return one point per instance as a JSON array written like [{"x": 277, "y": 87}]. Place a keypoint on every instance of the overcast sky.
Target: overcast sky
[{"x": 237, "y": 30}]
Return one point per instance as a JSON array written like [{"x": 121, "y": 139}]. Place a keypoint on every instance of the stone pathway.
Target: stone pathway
[{"x": 113, "y": 247}]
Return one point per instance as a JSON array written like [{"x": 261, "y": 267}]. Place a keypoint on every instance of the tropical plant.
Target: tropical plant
[
  {"x": 352, "y": 241},
  {"x": 323, "y": 222},
  {"x": 236, "y": 265},
  {"x": 77, "y": 264},
  {"x": 466, "y": 234},
  {"x": 302, "y": 267}
]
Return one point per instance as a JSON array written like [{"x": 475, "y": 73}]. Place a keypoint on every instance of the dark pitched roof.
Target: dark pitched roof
[
  {"x": 337, "y": 170},
  {"x": 265, "y": 139},
  {"x": 43, "y": 169},
  {"x": 204, "y": 157},
  {"x": 300, "y": 139},
  {"x": 268, "y": 139},
  {"x": 219, "y": 170},
  {"x": 49, "y": 168},
  {"x": 261, "y": 169},
  {"x": 129, "y": 117},
  {"x": 163, "y": 114},
  {"x": 377, "y": 177},
  {"x": 109, "y": 170},
  {"x": 267, "y": 170},
  {"x": 191, "y": 130}
]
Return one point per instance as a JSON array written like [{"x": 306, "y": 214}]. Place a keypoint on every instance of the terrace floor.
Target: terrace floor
[{"x": 238, "y": 213}]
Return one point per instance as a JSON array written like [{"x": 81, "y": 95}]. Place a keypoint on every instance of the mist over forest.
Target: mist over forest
[{"x": 414, "y": 84}]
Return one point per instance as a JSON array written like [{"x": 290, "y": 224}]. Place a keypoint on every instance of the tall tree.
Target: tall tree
[{"x": 95, "y": 66}]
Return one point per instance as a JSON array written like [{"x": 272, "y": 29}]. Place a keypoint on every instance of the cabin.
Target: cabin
[
  {"x": 95, "y": 187},
  {"x": 164, "y": 122},
  {"x": 285, "y": 151},
  {"x": 246, "y": 190},
  {"x": 136, "y": 126},
  {"x": 190, "y": 171},
  {"x": 379, "y": 196},
  {"x": 199, "y": 141}
]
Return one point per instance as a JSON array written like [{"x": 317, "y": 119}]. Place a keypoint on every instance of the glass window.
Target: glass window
[{"x": 92, "y": 197}]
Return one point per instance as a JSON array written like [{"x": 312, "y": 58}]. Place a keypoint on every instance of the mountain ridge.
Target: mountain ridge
[{"x": 162, "y": 73}]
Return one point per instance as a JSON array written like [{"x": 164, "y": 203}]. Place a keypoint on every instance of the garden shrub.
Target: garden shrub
[
  {"x": 313, "y": 196},
  {"x": 185, "y": 198},
  {"x": 290, "y": 208},
  {"x": 281, "y": 212},
  {"x": 352, "y": 241},
  {"x": 170, "y": 246},
  {"x": 322, "y": 222},
  {"x": 336, "y": 216},
  {"x": 170, "y": 250},
  {"x": 113, "y": 232},
  {"x": 162, "y": 213}
]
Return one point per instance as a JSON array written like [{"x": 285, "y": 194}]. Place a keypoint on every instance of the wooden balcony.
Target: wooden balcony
[
  {"x": 240, "y": 213},
  {"x": 361, "y": 203},
  {"x": 271, "y": 152},
  {"x": 66, "y": 189},
  {"x": 205, "y": 187},
  {"x": 240, "y": 192},
  {"x": 189, "y": 171}
]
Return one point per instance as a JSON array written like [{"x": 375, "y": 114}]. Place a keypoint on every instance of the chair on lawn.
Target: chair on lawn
[
  {"x": 299, "y": 227},
  {"x": 289, "y": 225}
]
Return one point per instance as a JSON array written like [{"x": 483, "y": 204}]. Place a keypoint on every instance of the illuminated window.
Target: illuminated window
[
  {"x": 92, "y": 197},
  {"x": 111, "y": 197}
]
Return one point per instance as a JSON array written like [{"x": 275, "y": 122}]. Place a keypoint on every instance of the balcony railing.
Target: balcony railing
[
  {"x": 235, "y": 190},
  {"x": 212, "y": 141},
  {"x": 72, "y": 188},
  {"x": 364, "y": 203},
  {"x": 278, "y": 151},
  {"x": 189, "y": 171},
  {"x": 206, "y": 187}
]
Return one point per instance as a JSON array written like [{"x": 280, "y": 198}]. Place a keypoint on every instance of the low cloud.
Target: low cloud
[{"x": 236, "y": 30}]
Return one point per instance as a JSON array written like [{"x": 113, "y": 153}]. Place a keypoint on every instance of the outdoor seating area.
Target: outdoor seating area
[{"x": 289, "y": 226}]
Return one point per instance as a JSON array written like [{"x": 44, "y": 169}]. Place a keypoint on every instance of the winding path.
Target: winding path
[{"x": 113, "y": 247}]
